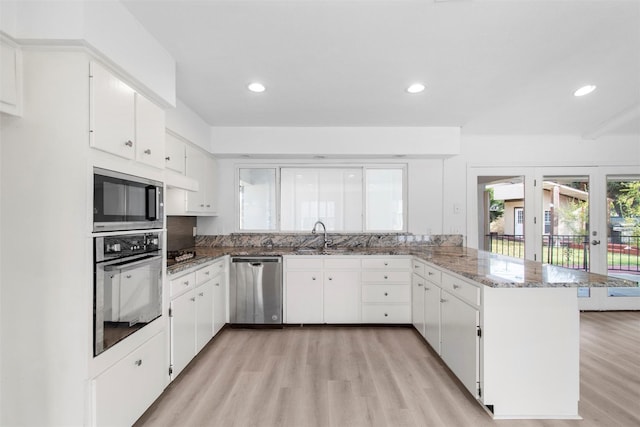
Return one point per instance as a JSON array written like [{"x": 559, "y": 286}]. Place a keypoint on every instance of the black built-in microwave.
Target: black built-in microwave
[{"x": 126, "y": 202}]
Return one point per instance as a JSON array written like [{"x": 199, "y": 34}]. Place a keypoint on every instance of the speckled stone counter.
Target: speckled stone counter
[{"x": 486, "y": 268}]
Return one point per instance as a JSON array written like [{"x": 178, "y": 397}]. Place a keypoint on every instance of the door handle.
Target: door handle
[{"x": 595, "y": 242}]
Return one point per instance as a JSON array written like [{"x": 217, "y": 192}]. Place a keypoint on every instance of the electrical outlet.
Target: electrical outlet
[{"x": 195, "y": 231}]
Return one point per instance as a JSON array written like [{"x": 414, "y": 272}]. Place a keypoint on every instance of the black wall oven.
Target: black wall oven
[
  {"x": 126, "y": 202},
  {"x": 127, "y": 286}
]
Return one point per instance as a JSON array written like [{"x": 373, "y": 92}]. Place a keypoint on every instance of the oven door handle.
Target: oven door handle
[{"x": 133, "y": 264}]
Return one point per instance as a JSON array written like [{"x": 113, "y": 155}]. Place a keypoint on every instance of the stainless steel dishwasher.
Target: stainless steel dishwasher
[{"x": 255, "y": 294}]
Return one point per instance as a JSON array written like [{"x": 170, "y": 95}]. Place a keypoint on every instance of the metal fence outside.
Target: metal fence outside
[{"x": 571, "y": 250}]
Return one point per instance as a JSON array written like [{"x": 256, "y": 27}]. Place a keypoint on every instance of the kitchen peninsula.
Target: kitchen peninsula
[{"x": 507, "y": 328}]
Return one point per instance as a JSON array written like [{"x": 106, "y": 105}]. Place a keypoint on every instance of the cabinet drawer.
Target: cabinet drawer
[
  {"x": 386, "y": 276},
  {"x": 387, "y": 263},
  {"x": 295, "y": 263},
  {"x": 182, "y": 284},
  {"x": 205, "y": 274},
  {"x": 384, "y": 313},
  {"x": 461, "y": 289},
  {"x": 418, "y": 267},
  {"x": 124, "y": 391},
  {"x": 351, "y": 263},
  {"x": 433, "y": 274},
  {"x": 386, "y": 293}
]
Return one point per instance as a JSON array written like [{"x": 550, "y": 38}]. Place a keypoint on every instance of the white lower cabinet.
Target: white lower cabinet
[
  {"x": 460, "y": 348},
  {"x": 204, "y": 314},
  {"x": 123, "y": 392},
  {"x": 183, "y": 331},
  {"x": 219, "y": 298},
  {"x": 341, "y": 297},
  {"x": 431, "y": 305},
  {"x": 418, "y": 303},
  {"x": 198, "y": 310},
  {"x": 304, "y": 296}
]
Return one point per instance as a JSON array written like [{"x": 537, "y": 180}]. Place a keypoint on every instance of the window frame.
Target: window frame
[{"x": 278, "y": 194}]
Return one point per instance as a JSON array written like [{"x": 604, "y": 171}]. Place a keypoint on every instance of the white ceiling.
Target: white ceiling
[{"x": 503, "y": 67}]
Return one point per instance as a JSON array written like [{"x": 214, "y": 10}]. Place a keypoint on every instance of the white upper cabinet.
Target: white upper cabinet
[
  {"x": 204, "y": 169},
  {"x": 150, "y": 133},
  {"x": 123, "y": 122},
  {"x": 174, "y": 154},
  {"x": 112, "y": 113},
  {"x": 10, "y": 78}
]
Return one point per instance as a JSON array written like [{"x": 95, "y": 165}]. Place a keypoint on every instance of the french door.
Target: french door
[{"x": 583, "y": 218}]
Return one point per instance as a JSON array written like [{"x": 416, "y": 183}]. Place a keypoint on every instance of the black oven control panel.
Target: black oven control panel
[{"x": 120, "y": 246}]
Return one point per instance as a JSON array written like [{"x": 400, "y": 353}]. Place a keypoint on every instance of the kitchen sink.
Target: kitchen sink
[{"x": 322, "y": 251}]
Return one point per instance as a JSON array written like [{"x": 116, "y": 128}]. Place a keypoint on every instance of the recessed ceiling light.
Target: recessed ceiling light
[
  {"x": 256, "y": 87},
  {"x": 415, "y": 88},
  {"x": 584, "y": 90}
]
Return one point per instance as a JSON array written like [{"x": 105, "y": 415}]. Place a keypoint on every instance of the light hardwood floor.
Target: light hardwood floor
[{"x": 343, "y": 376}]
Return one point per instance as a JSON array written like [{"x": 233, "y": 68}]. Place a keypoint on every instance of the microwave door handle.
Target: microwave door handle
[
  {"x": 152, "y": 208},
  {"x": 130, "y": 265}
]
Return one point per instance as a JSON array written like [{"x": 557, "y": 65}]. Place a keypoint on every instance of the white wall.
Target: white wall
[
  {"x": 351, "y": 142},
  {"x": 424, "y": 187},
  {"x": 46, "y": 274},
  {"x": 107, "y": 27}
]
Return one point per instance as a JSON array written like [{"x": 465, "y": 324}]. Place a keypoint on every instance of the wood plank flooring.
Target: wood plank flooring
[{"x": 343, "y": 376}]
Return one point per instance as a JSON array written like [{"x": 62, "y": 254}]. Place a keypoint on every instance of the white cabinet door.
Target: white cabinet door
[
  {"x": 123, "y": 392},
  {"x": 203, "y": 168},
  {"x": 460, "y": 341},
  {"x": 183, "y": 331},
  {"x": 417, "y": 303},
  {"x": 204, "y": 314},
  {"x": 432, "y": 315},
  {"x": 112, "y": 118},
  {"x": 304, "y": 297},
  {"x": 174, "y": 154},
  {"x": 342, "y": 297},
  {"x": 219, "y": 302},
  {"x": 150, "y": 132}
]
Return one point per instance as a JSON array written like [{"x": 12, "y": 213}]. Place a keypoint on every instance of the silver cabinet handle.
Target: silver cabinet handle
[
  {"x": 419, "y": 284},
  {"x": 386, "y": 315},
  {"x": 129, "y": 143},
  {"x": 138, "y": 362},
  {"x": 192, "y": 298},
  {"x": 208, "y": 206},
  {"x": 313, "y": 278},
  {"x": 202, "y": 206},
  {"x": 386, "y": 277},
  {"x": 330, "y": 278},
  {"x": 427, "y": 289},
  {"x": 443, "y": 300},
  {"x": 128, "y": 276},
  {"x": 168, "y": 158},
  {"x": 386, "y": 294},
  {"x": 207, "y": 273},
  {"x": 201, "y": 294},
  {"x": 430, "y": 273},
  {"x": 386, "y": 263},
  {"x": 217, "y": 284},
  {"x": 595, "y": 242},
  {"x": 186, "y": 283},
  {"x": 456, "y": 286},
  {"x": 147, "y": 151}
]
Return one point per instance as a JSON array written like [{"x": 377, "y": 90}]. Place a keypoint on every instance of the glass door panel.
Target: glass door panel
[
  {"x": 565, "y": 221},
  {"x": 501, "y": 214},
  {"x": 623, "y": 232}
]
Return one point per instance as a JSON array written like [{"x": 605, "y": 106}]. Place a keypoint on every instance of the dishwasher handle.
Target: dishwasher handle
[{"x": 256, "y": 260}]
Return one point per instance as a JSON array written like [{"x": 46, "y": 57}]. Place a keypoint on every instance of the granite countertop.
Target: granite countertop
[{"x": 489, "y": 269}]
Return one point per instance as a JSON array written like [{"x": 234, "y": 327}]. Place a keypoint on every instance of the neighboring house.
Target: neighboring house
[{"x": 556, "y": 198}]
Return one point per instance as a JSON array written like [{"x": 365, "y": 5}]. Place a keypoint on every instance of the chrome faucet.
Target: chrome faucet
[{"x": 326, "y": 241}]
